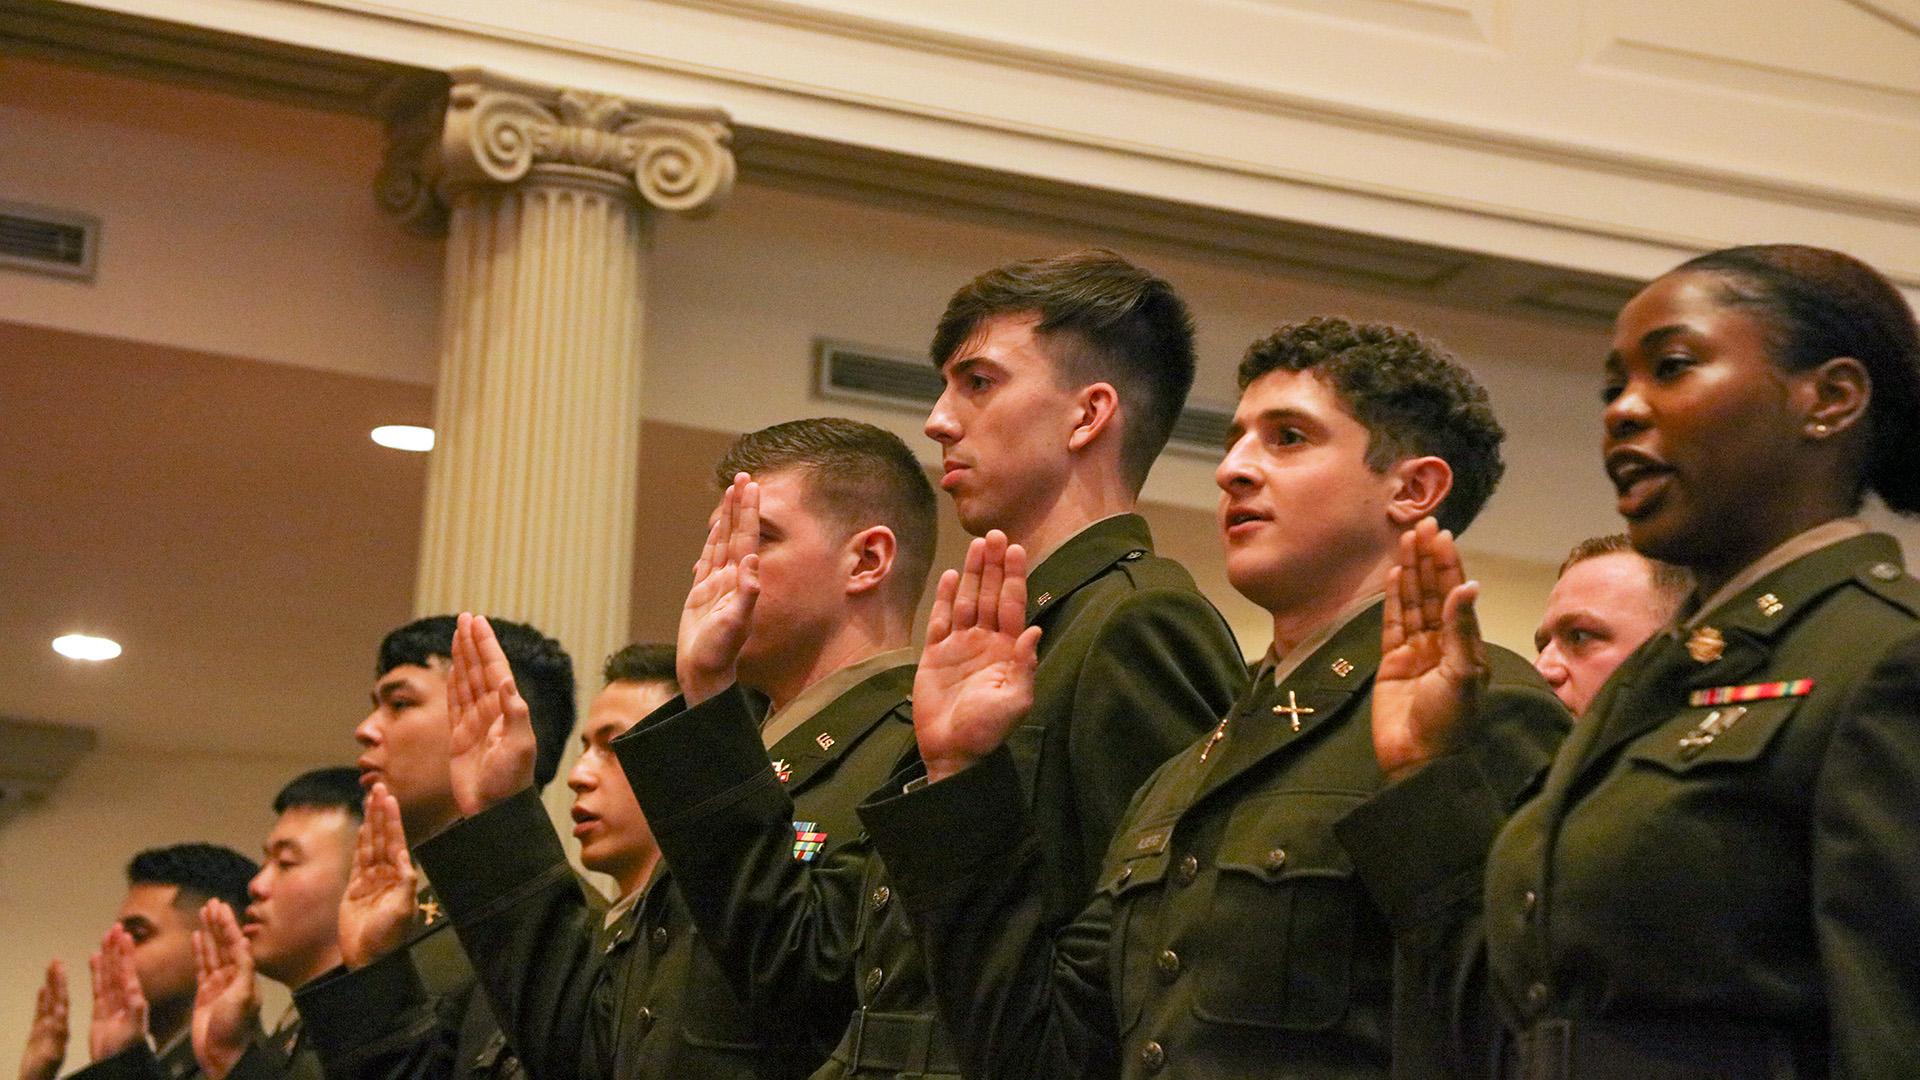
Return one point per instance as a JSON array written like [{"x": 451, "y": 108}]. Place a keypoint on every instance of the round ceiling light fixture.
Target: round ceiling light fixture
[
  {"x": 407, "y": 437},
  {"x": 86, "y": 647}
]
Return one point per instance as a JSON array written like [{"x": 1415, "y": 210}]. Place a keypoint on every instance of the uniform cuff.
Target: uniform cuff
[
  {"x": 679, "y": 760},
  {"x": 1421, "y": 844},
  {"x": 492, "y": 858},
  {"x": 344, "y": 1011},
  {"x": 937, "y": 838}
]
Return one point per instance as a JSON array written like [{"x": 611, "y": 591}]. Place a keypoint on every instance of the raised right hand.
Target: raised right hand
[
  {"x": 975, "y": 680},
  {"x": 47, "y": 1039},
  {"x": 119, "y": 1004},
  {"x": 718, "y": 614},
  {"x": 377, "y": 911},
  {"x": 226, "y": 1001},
  {"x": 1433, "y": 662},
  {"x": 490, "y": 742}
]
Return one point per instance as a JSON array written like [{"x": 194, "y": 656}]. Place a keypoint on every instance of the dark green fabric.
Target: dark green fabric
[
  {"x": 1228, "y": 936},
  {"x": 415, "y": 1014},
  {"x": 1763, "y": 885},
  {"x": 640, "y": 1000},
  {"x": 795, "y": 937}
]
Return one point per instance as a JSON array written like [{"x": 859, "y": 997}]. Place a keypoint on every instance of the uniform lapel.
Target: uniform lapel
[
  {"x": 1730, "y": 644},
  {"x": 838, "y": 727},
  {"x": 1318, "y": 694},
  {"x": 1085, "y": 556}
]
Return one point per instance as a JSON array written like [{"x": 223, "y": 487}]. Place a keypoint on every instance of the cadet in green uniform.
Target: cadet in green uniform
[
  {"x": 1228, "y": 937},
  {"x": 405, "y": 1004},
  {"x": 806, "y": 592},
  {"x": 1717, "y": 878},
  {"x": 143, "y": 975},
  {"x": 582, "y": 991}
]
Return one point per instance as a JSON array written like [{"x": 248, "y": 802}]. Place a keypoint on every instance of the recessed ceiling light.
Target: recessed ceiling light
[
  {"x": 86, "y": 647},
  {"x": 404, "y": 437}
]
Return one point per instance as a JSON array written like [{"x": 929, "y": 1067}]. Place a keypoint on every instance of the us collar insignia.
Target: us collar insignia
[
  {"x": 782, "y": 769},
  {"x": 1766, "y": 691},
  {"x": 1715, "y": 725},
  {"x": 807, "y": 840},
  {"x": 824, "y": 740},
  {"x": 1343, "y": 667},
  {"x": 1706, "y": 645}
]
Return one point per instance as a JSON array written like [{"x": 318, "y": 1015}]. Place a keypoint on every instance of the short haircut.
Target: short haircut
[
  {"x": 1410, "y": 394},
  {"x": 1820, "y": 304},
  {"x": 1673, "y": 583},
  {"x": 1104, "y": 320},
  {"x": 857, "y": 476},
  {"x": 201, "y": 872},
  {"x": 542, "y": 672},
  {"x": 336, "y": 788},
  {"x": 643, "y": 662}
]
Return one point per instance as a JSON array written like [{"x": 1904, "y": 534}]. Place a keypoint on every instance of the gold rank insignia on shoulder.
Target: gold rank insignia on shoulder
[
  {"x": 1715, "y": 725},
  {"x": 1764, "y": 691},
  {"x": 1706, "y": 645},
  {"x": 1769, "y": 605}
]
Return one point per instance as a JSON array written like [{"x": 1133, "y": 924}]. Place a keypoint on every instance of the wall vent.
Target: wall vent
[
  {"x": 848, "y": 372},
  {"x": 48, "y": 241}
]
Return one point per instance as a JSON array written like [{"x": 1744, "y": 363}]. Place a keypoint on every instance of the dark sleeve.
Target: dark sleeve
[
  {"x": 528, "y": 928},
  {"x": 260, "y": 1062},
  {"x": 1162, "y": 672},
  {"x": 136, "y": 1062},
  {"x": 1866, "y": 872},
  {"x": 1022, "y": 1003},
  {"x": 379, "y": 1022},
  {"x": 1420, "y": 848},
  {"x": 782, "y": 930}
]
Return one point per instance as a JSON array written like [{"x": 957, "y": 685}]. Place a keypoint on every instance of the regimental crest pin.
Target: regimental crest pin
[
  {"x": 807, "y": 840},
  {"x": 1706, "y": 645},
  {"x": 782, "y": 770}
]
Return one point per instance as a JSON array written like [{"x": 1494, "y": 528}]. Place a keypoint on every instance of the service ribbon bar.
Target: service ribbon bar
[{"x": 1766, "y": 691}]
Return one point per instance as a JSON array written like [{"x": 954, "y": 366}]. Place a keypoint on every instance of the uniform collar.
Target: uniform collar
[
  {"x": 825, "y": 691},
  {"x": 1316, "y": 691},
  {"x": 1806, "y": 543},
  {"x": 1084, "y": 556},
  {"x": 838, "y": 724}
]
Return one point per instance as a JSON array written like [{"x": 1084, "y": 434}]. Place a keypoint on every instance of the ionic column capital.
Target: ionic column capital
[{"x": 493, "y": 130}]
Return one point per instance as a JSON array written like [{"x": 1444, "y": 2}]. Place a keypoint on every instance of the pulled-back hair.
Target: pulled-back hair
[
  {"x": 1410, "y": 394},
  {"x": 542, "y": 672},
  {"x": 1104, "y": 320},
  {"x": 1673, "y": 583},
  {"x": 857, "y": 476},
  {"x": 200, "y": 872},
  {"x": 642, "y": 662},
  {"x": 322, "y": 789},
  {"x": 1818, "y": 304}
]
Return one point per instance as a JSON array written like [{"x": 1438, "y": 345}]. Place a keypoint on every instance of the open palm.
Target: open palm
[
  {"x": 975, "y": 680},
  {"x": 1433, "y": 662},
  {"x": 490, "y": 742},
  {"x": 377, "y": 910},
  {"x": 718, "y": 614},
  {"x": 226, "y": 1002}
]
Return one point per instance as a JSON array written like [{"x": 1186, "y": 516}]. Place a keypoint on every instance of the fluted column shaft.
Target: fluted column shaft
[{"x": 544, "y": 196}]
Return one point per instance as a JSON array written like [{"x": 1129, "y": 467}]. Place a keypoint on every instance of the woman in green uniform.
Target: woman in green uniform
[{"x": 1720, "y": 874}]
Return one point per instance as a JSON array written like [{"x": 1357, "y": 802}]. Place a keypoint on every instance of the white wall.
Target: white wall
[{"x": 63, "y": 862}]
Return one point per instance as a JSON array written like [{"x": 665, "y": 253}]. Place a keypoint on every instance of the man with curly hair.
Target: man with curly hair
[{"x": 1227, "y": 935}]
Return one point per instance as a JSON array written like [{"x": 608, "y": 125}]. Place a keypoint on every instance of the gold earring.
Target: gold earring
[{"x": 1818, "y": 430}]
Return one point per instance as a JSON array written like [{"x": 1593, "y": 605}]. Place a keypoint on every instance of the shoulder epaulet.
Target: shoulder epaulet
[{"x": 1892, "y": 584}]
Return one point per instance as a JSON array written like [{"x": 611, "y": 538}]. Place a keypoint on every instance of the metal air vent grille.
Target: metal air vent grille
[{"x": 48, "y": 241}]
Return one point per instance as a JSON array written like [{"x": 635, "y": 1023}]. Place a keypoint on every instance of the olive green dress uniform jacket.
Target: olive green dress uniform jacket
[
  {"x": 1133, "y": 663},
  {"x": 643, "y": 999},
  {"x": 140, "y": 1062},
  {"x": 1228, "y": 936},
  {"x": 414, "y": 1014},
  {"x": 791, "y": 925},
  {"x": 1697, "y": 890}
]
